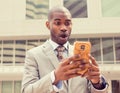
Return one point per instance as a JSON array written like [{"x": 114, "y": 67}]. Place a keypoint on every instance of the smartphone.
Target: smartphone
[{"x": 83, "y": 49}]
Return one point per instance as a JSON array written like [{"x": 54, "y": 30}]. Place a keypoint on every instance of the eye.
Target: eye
[
  {"x": 57, "y": 23},
  {"x": 67, "y": 23}
]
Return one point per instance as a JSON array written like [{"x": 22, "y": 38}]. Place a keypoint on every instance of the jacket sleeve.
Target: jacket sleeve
[
  {"x": 94, "y": 90},
  {"x": 32, "y": 82}
]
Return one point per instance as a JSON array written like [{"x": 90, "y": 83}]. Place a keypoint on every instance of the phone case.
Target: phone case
[{"x": 82, "y": 48}]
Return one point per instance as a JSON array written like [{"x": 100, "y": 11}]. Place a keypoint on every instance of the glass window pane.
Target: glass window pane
[
  {"x": 72, "y": 40},
  {"x": 78, "y": 8},
  {"x": 82, "y": 39},
  {"x": 107, "y": 45},
  {"x": 31, "y": 44},
  {"x": 20, "y": 49},
  {"x": 17, "y": 87},
  {"x": 42, "y": 41},
  {"x": 110, "y": 8},
  {"x": 7, "y": 87},
  {"x": 96, "y": 49},
  {"x": 117, "y": 49},
  {"x": 115, "y": 86},
  {"x": 8, "y": 46},
  {"x": 37, "y": 9}
]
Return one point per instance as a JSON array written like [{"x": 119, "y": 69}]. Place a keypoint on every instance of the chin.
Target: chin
[{"x": 62, "y": 43}]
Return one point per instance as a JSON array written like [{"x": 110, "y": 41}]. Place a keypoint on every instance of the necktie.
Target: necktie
[{"x": 60, "y": 50}]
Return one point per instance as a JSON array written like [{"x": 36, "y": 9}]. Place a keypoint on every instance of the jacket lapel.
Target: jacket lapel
[{"x": 48, "y": 50}]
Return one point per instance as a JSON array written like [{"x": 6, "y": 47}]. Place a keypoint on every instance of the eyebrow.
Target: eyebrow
[
  {"x": 60, "y": 19},
  {"x": 57, "y": 19}
]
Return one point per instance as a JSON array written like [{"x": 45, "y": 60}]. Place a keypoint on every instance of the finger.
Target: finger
[
  {"x": 93, "y": 60},
  {"x": 94, "y": 68},
  {"x": 69, "y": 60},
  {"x": 76, "y": 65},
  {"x": 73, "y": 71},
  {"x": 94, "y": 78},
  {"x": 85, "y": 65},
  {"x": 94, "y": 65},
  {"x": 71, "y": 66},
  {"x": 93, "y": 73}
]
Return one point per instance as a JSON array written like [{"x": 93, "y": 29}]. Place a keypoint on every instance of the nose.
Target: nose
[{"x": 63, "y": 28}]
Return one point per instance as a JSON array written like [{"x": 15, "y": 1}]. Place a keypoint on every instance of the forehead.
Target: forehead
[{"x": 61, "y": 16}]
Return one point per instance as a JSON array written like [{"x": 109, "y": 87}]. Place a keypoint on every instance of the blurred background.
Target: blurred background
[{"x": 22, "y": 27}]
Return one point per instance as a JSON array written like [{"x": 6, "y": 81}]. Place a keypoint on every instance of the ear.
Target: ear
[{"x": 48, "y": 24}]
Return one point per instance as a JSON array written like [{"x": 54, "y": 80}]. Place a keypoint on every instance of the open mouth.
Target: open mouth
[{"x": 63, "y": 36}]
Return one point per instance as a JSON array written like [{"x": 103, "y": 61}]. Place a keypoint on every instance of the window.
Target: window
[
  {"x": 10, "y": 87},
  {"x": 7, "y": 87},
  {"x": 12, "y": 52},
  {"x": 96, "y": 48},
  {"x": 117, "y": 49},
  {"x": 20, "y": 49},
  {"x": 31, "y": 44},
  {"x": 115, "y": 86},
  {"x": 110, "y": 8},
  {"x": 37, "y": 9},
  {"x": 17, "y": 86},
  {"x": 8, "y": 46},
  {"x": 72, "y": 40},
  {"x": 82, "y": 39},
  {"x": 78, "y": 8},
  {"x": 107, "y": 48}
]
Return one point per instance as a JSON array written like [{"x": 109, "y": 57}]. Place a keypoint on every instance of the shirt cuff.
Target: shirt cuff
[
  {"x": 58, "y": 86},
  {"x": 101, "y": 85}
]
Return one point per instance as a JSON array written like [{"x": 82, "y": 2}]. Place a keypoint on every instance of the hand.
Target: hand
[
  {"x": 66, "y": 69},
  {"x": 93, "y": 73}
]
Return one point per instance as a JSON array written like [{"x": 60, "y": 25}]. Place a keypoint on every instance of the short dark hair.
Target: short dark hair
[{"x": 57, "y": 9}]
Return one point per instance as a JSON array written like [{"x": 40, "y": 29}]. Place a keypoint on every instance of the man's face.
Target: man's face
[{"x": 60, "y": 27}]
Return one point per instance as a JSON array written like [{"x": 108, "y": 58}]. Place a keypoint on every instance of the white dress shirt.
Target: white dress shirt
[{"x": 65, "y": 54}]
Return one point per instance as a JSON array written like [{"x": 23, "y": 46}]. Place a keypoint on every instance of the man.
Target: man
[{"x": 45, "y": 73}]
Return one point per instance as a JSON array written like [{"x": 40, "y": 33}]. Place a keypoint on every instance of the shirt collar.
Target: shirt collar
[{"x": 55, "y": 45}]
